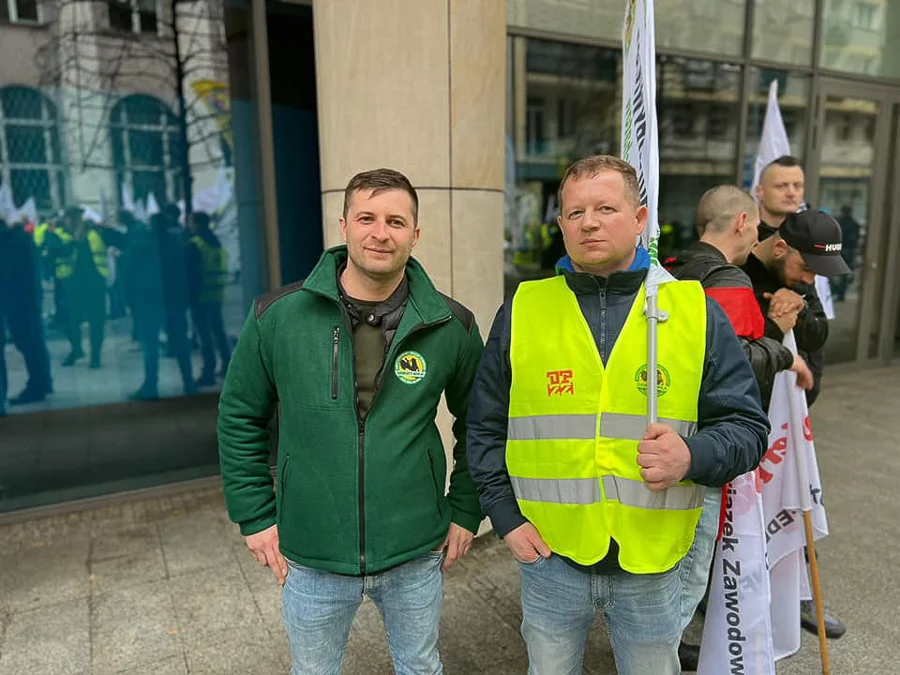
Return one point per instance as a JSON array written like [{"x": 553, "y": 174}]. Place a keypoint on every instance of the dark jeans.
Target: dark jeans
[
  {"x": 176, "y": 329},
  {"x": 27, "y": 334},
  {"x": 87, "y": 303},
  {"x": 211, "y": 331}
]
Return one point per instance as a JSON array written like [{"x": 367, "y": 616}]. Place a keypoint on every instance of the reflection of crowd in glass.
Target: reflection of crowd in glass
[{"x": 156, "y": 271}]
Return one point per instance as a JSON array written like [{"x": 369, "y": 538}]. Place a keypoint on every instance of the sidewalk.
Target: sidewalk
[{"x": 166, "y": 586}]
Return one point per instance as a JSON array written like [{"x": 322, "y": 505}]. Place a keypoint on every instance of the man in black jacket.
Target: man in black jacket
[
  {"x": 727, "y": 221},
  {"x": 600, "y": 216},
  {"x": 782, "y": 269}
]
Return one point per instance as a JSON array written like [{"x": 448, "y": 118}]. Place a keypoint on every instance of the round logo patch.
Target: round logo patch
[
  {"x": 410, "y": 367},
  {"x": 662, "y": 380}
]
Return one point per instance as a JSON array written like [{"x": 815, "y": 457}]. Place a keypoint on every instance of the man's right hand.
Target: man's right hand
[
  {"x": 804, "y": 374},
  {"x": 526, "y": 544},
  {"x": 264, "y": 547},
  {"x": 785, "y": 321}
]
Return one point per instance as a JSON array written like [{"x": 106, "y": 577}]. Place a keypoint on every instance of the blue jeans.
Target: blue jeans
[
  {"x": 695, "y": 565},
  {"x": 646, "y": 613},
  {"x": 319, "y": 608}
]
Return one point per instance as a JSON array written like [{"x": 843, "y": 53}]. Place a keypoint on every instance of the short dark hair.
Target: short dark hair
[
  {"x": 786, "y": 161},
  {"x": 588, "y": 167},
  {"x": 200, "y": 219},
  {"x": 378, "y": 181}
]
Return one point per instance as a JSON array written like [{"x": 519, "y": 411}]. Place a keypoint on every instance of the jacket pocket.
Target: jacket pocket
[
  {"x": 335, "y": 363},
  {"x": 438, "y": 485},
  {"x": 284, "y": 476}
]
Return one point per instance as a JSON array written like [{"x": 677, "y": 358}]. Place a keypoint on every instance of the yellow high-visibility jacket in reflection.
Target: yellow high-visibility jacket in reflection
[
  {"x": 575, "y": 424},
  {"x": 40, "y": 234},
  {"x": 65, "y": 261},
  {"x": 215, "y": 270}
]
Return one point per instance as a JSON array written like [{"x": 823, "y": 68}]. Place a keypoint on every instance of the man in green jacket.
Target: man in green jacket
[{"x": 355, "y": 360}]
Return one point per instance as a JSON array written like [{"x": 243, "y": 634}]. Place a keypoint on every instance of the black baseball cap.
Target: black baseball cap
[{"x": 817, "y": 237}]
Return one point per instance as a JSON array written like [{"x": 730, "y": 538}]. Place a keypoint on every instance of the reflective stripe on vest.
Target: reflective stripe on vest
[
  {"x": 215, "y": 270},
  {"x": 575, "y": 423},
  {"x": 587, "y": 491},
  {"x": 612, "y": 425}
]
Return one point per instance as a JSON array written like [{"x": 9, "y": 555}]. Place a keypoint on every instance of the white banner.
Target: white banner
[
  {"x": 640, "y": 141},
  {"x": 789, "y": 463},
  {"x": 737, "y": 633}
]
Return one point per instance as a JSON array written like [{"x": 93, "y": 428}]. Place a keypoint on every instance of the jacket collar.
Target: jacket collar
[
  {"x": 422, "y": 294},
  {"x": 701, "y": 248},
  {"x": 617, "y": 283}
]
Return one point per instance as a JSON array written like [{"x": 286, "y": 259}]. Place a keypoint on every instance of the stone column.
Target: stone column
[{"x": 420, "y": 86}]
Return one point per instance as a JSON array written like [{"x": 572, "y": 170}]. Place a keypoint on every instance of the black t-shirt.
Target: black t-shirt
[{"x": 368, "y": 352}]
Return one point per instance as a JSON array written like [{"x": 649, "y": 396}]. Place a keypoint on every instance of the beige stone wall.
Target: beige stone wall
[{"x": 420, "y": 86}]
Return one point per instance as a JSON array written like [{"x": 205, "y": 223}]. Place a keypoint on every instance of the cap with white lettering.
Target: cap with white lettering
[{"x": 817, "y": 237}]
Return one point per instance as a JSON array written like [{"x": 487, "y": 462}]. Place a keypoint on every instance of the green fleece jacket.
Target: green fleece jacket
[{"x": 352, "y": 498}]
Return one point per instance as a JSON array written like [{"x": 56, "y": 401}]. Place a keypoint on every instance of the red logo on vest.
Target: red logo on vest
[{"x": 560, "y": 382}]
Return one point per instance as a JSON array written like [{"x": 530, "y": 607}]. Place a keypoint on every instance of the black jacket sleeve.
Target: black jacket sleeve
[
  {"x": 767, "y": 357},
  {"x": 487, "y": 421},
  {"x": 732, "y": 427},
  {"x": 811, "y": 330}
]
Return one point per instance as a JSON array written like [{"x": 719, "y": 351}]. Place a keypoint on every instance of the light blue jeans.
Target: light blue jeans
[
  {"x": 646, "y": 613},
  {"x": 319, "y": 608}
]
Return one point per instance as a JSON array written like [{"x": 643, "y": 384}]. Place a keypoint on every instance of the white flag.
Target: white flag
[
  {"x": 774, "y": 143},
  {"x": 737, "y": 633},
  {"x": 640, "y": 141},
  {"x": 90, "y": 214},
  {"x": 28, "y": 211},
  {"x": 8, "y": 209},
  {"x": 140, "y": 212},
  {"x": 152, "y": 206},
  {"x": 127, "y": 199},
  {"x": 791, "y": 484}
]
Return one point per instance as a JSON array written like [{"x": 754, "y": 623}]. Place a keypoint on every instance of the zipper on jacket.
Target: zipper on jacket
[
  {"x": 603, "y": 326},
  {"x": 335, "y": 351},
  {"x": 360, "y": 438},
  {"x": 362, "y": 498}
]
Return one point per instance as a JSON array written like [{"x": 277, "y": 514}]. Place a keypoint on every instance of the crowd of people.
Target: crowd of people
[
  {"x": 71, "y": 271},
  {"x": 600, "y": 510}
]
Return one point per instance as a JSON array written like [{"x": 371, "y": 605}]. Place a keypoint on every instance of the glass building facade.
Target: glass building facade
[{"x": 161, "y": 164}]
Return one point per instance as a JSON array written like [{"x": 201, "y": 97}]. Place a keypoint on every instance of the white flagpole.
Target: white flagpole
[{"x": 640, "y": 148}]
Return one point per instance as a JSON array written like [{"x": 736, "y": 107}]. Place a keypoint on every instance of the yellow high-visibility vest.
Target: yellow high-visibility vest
[
  {"x": 65, "y": 256},
  {"x": 65, "y": 262},
  {"x": 575, "y": 424},
  {"x": 215, "y": 270},
  {"x": 99, "y": 253},
  {"x": 40, "y": 234}
]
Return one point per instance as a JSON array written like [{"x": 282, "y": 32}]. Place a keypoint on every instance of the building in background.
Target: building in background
[{"x": 258, "y": 113}]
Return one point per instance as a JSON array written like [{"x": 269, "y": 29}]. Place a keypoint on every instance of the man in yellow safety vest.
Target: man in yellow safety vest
[
  {"x": 598, "y": 508},
  {"x": 82, "y": 266}
]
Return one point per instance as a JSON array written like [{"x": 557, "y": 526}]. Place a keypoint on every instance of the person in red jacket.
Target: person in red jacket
[{"x": 727, "y": 222}]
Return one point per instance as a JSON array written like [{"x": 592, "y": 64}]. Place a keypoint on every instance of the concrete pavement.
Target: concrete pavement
[{"x": 166, "y": 586}]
